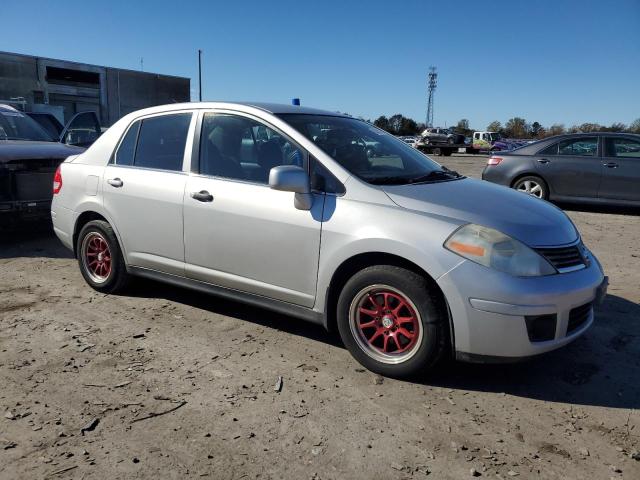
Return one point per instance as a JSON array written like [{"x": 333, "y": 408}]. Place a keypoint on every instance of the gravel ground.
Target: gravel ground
[{"x": 167, "y": 383}]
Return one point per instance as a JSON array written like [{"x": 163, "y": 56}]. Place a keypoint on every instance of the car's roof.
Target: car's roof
[
  {"x": 533, "y": 148},
  {"x": 274, "y": 108}
]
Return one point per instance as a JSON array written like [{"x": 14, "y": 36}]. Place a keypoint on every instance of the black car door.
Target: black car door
[
  {"x": 621, "y": 168},
  {"x": 571, "y": 167}
]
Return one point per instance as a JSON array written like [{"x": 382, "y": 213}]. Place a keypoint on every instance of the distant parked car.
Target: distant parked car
[
  {"x": 409, "y": 140},
  {"x": 435, "y": 135},
  {"x": 29, "y": 156},
  {"x": 583, "y": 167},
  {"x": 407, "y": 259}
]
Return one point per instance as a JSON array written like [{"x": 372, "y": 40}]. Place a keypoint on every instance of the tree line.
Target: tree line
[{"x": 516, "y": 127}]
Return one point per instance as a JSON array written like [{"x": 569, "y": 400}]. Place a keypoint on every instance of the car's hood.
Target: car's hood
[
  {"x": 532, "y": 221},
  {"x": 27, "y": 150}
]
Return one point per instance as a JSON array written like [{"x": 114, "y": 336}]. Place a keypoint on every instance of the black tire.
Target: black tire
[
  {"x": 446, "y": 152},
  {"x": 117, "y": 277},
  {"x": 519, "y": 183},
  {"x": 451, "y": 140},
  {"x": 431, "y": 341}
]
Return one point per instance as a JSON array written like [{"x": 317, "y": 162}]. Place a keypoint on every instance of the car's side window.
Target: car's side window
[
  {"x": 161, "y": 141},
  {"x": 240, "y": 148},
  {"x": 583, "y": 146},
  {"x": 623, "y": 147},
  {"x": 322, "y": 180},
  {"x": 127, "y": 149},
  {"x": 551, "y": 150}
]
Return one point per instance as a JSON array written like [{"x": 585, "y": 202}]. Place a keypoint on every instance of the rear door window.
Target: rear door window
[
  {"x": 623, "y": 147},
  {"x": 583, "y": 147},
  {"x": 127, "y": 149},
  {"x": 161, "y": 142},
  {"x": 552, "y": 150}
]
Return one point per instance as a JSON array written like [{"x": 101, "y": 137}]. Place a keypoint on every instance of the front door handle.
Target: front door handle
[
  {"x": 202, "y": 196},
  {"x": 115, "y": 182},
  {"x": 544, "y": 161},
  {"x": 611, "y": 165}
]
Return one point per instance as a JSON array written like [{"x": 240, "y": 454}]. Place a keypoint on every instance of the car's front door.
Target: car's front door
[
  {"x": 239, "y": 233},
  {"x": 143, "y": 188},
  {"x": 621, "y": 169},
  {"x": 572, "y": 167}
]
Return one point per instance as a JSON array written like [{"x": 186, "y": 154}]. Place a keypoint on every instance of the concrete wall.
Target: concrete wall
[{"x": 114, "y": 93}]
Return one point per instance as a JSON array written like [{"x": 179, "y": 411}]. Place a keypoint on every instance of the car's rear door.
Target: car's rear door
[
  {"x": 621, "y": 169},
  {"x": 571, "y": 167},
  {"x": 239, "y": 233},
  {"x": 143, "y": 189}
]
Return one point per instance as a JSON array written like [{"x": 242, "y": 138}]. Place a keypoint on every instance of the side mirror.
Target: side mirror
[{"x": 291, "y": 178}]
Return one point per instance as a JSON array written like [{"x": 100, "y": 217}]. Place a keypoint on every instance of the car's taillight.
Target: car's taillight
[
  {"x": 494, "y": 160},
  {"x": 57, "y": 181}
]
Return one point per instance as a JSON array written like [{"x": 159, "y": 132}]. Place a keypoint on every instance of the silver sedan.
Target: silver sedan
[{"x": 281, "y": 207}]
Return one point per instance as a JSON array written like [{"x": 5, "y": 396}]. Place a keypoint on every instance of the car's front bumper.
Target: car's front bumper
[{"x": 489, "y": 309}]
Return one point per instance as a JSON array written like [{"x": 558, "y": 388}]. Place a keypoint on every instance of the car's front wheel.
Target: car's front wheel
[
  {"x": 100, "y": 258},
  {"x": 392, "y": 321}
]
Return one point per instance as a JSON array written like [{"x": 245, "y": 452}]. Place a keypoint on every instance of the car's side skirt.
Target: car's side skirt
[{"x": 285, "y": 308}]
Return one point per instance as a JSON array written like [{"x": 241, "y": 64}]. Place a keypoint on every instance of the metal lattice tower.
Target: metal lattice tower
[{"x": 432, "y": 82}]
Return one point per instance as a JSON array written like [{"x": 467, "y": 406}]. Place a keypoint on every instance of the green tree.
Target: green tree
[
  {"x": 556, "y": 129},
  {"x": 494, "y": 126},
  {"x": 590, "y": 127},
  {"x": 635, "y": 126},
  {"x": 382, "y": 122},
  {"x": 616, "y": 127},
  {"x": 535, "y": 129},
  {"x": 516, "y": 127}
]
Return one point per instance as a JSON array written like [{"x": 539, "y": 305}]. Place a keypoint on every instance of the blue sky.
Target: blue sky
[{"x": 547, "y": 61}]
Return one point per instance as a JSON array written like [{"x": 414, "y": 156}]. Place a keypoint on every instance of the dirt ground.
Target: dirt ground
[{"x": 167, "y": 383}]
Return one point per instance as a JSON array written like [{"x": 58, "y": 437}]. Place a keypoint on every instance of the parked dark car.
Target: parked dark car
[
  {"x": 598, "y": 167},
  {"x": 29, "y": 156}
]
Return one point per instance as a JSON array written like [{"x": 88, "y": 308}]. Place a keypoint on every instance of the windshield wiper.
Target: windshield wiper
[{"x": 436, "y": 175}]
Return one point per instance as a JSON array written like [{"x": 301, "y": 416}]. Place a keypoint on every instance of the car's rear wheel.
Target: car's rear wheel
[
  {"x": 392, "y": 321},
  {"x": 100, "y": 258},
  {"x": 532, "y": 185}
]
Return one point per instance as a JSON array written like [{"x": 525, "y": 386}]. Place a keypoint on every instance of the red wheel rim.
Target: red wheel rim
[
  {"x": 97, "y": 257},
  {"x": 386, "y": 323}
]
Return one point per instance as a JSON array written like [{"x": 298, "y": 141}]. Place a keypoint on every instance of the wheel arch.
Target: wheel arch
[{"x": 355, "y": 263}]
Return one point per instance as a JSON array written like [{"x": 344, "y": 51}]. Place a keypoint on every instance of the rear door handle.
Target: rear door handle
[
  {"x": 611, "y": 165},
  {"x": 544, "y": 161},
  {"x": 115, "y": 182},
  {"x": 202, "y": 196}
]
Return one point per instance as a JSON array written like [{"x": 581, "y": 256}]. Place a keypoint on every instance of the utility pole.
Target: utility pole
[
  {"x": 200, "y": 74},
  {"x": 432, "y": 82},
  {"x": 141, "y": 64}
]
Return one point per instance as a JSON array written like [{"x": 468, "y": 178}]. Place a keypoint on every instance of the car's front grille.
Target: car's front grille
[
  {"x": 578, "y": 316},
  {"x": 564, "y": 259}
]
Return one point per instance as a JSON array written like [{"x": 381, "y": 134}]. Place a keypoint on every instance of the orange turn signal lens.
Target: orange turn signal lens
[{"x": 464, "y": 248}]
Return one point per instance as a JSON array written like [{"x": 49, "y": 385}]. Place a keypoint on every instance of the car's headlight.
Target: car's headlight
[{"x": 494, "y": 249}]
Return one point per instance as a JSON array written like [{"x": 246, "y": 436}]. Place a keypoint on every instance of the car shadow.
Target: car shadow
[
  {"x": 600, "y": 368},
  {"x": 32, "y": 240},
  {"x": 151, "y": 289},
  {"x": 597, "y": 369},
  {"x": 614, "y": 210}
]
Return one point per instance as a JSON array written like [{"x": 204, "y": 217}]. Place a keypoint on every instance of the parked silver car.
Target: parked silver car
[{"x": 280, "y": 207}]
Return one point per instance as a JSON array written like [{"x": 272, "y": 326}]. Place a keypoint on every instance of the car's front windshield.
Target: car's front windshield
[
  {"x": 368, "y": 152},
  {"x": 15, "y": 125}
]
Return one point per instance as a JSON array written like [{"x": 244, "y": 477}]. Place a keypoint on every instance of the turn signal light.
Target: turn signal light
[
  {"x": 57, "y": 181},
  {"x": 494, "y": 160},
  {"x": 465, "y": 248}
]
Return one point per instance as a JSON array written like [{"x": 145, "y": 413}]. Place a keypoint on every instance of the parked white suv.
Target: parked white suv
[{"x": 281, "y": 207}]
